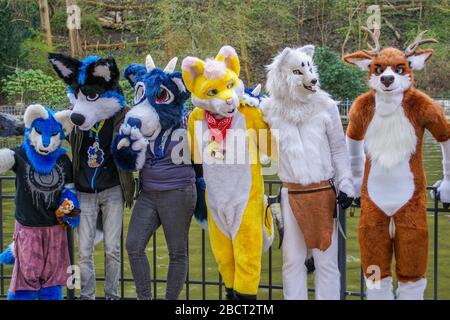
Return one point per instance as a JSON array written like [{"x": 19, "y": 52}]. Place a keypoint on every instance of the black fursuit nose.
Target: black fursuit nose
[{"x": 77, "y": 119}]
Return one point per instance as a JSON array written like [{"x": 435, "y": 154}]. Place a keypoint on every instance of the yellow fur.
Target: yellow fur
[{"x": 238, "y": 259}]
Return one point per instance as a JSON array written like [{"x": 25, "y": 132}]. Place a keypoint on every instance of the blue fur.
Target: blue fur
[
  {"x": 125, "y": 158},
  {"x": 248, "y": 91},
  {"x": 23, "y": 295},
  {"x": 171, "y": 114},
  {"x": 114, "y": 94},
  {"x": 51, "y": 293},
  {"x": 84, "y": 65},
  {"x": 133, "y": 72},
  {"x": 201, "y": 212},
  {"x": 44, "y": 164},
  {"x": 7, "y": 256},
  {"x": 73, "y": 222}
]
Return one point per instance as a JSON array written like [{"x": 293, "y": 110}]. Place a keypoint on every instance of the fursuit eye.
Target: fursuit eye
[
  {"x": 212, "y": 92},
  {"x": 230, "y": 85},
  {"x": 297, "y": 72},
  {"x": 92, "y": 96},
  {"x": 379, "y": 70},
  {"x": 38, "y": 131},
  {"x": 54, "y": 134},
  {"x": 400, "y": 70},
  {"x": 164, "y": 96}
]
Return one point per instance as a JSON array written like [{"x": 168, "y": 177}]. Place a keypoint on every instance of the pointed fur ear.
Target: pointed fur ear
[
  {"x": 360, "y": 59},
  {"x": 63, "y": 117},
  {"x": 106, "y": 69},
  {"x": 149, "y": 63},
  {"x": 257, "y": 90},
  {"x": 65, "y": 66},
  {"x": 308, "y": 50},
  {"x": 191, "y": 68},
  {"x": 171, "y": 65},
  {"x": 133, "y": 71},
  {"x": 419, "y": 58},
  {"x": 33, "y": 112},
  {"x": 228, "y": 55}
]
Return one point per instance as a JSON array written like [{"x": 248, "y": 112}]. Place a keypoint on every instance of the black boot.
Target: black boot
[
  {"x": 240, "y": 296},
  {"x": 230, "y": 295}
]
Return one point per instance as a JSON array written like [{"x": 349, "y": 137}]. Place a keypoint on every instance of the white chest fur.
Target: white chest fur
[
  {"x": 304, "y": 151},
  {"x": 228, "y": 185},
  {"x": 389, "y": 142}
]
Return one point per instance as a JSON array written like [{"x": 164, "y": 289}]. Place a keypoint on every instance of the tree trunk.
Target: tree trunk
[
  {"x": 45, "y": 22},
  {"x": 74, "y": 35}
]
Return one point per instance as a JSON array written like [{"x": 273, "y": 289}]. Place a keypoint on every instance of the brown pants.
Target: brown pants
[{"x": 313, "y": 206}]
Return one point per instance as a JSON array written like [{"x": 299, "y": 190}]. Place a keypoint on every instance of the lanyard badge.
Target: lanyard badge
[{"x": 95, "y": 153}]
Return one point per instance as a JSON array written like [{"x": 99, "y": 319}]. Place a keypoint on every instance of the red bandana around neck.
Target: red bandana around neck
[{"x": 217, "y": 127}]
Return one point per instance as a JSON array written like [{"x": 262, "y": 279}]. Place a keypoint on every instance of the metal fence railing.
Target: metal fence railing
[{"x": 271, "y": 187}]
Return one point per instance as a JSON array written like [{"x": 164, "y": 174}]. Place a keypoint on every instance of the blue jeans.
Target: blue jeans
[{"x": 110, "y": 202}]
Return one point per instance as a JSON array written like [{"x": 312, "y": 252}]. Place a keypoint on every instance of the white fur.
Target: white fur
[
  {"x": 228, "y": 52},
  {"x": 363, "y": 64},
  {"x": 149, "y": 63},
  {"x": 63, "y": 117},
  {"x": 229, "y": 183},
  {"x": 171, "y": 65},
  {"x": 102, "y": 71},
  {"x": 444, "y": 187},
  {"x": 33, "y": 112},
  {"x": 36, "y": 141},
  {"x": 151, "y": 126},
  {"x": 412, "y": 290},
  {"x": 250, "y": 101},
  {"x": 283, "y": 84},
  {"x": 257, "y": 90},
  {"x": 214, "y": 69},
  {"x": 390, "y": 139},
  {"x": 418, "y": 61},
  {"x": 188, "y": 65},
  {"x": 357, "y": 158},
  {"x": 139, "y": 145},
  {"x": 94, "y": 111},
  {"x": 7, "y": 160},
  {"x": 380, "y": 290},
  {"x": 311, "y": 139},
  {"x": 179, "y": 84},
  {"x": 401, "y": 84},
  {"x": 61, "y": 67},
  {"x": 390, "y": 188}
]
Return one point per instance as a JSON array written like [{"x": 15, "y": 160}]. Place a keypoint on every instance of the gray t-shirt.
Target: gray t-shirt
[{"x": 168, "y": 172}]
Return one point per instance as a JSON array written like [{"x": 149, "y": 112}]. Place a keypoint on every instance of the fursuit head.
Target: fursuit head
[
  {"x": 159, "y": 97},
  {"x": 45, "y": 131},
  {"x": 293, "y": 85},
  {"x": 92, "y": 86}
]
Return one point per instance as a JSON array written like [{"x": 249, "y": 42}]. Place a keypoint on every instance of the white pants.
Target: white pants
[{"x": 327, "y": 276}]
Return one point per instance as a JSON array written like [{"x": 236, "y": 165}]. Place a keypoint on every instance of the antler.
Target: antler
[
  {"x": 409, "y": 51},
  {"x": 375, "y": 35}
]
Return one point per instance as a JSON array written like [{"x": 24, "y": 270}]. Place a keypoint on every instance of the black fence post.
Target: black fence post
[
  {"x": 70, "y": 243},
  {"x": 122, "y": 265},
  {"x": 436, "y": 240},
  {"x": 2, "y": 274},
  {"x": 342, "y": 251}
]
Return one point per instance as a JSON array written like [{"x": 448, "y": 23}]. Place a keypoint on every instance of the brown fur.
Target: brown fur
[
  {"x": 410, "y": 243},
  {"x": 64, "y": 209}
]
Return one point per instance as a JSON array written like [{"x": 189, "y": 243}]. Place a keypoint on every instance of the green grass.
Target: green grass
[{"x": 432, "y": 164}]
